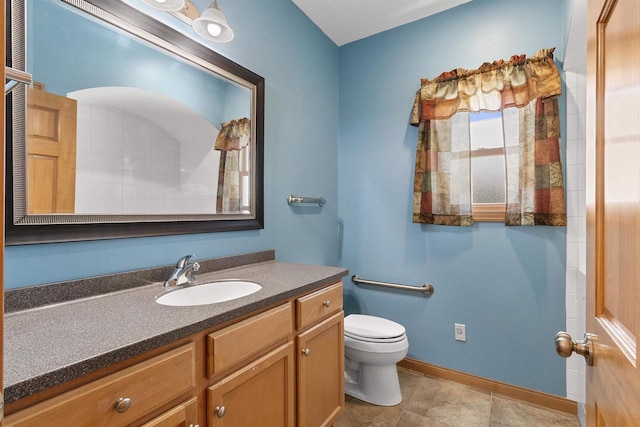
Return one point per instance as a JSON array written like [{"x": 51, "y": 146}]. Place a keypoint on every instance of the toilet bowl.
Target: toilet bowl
[{"x": 372, "y": 347}]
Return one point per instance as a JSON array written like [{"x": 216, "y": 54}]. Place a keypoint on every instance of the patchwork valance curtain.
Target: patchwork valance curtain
[
  {"x": 233, "y": 137},
  {"x": 442, "y": 184}
]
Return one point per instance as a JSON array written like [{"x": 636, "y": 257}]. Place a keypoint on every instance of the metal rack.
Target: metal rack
[{"x": 427, "y": 288}]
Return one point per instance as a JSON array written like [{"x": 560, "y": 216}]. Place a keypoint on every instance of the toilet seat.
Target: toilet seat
[{"x": 373, "y": 329}]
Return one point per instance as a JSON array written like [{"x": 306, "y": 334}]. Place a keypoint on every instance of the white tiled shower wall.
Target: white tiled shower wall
[
  {"x": 128, "y": 164},
  {"x": 575, "y": 79}
]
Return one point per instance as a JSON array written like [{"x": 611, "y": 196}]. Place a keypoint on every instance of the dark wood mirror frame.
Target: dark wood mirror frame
[{"x": 27, "y": 233}]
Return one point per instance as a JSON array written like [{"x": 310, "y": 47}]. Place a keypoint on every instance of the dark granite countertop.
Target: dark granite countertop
[{"x": 52, "y": 344}]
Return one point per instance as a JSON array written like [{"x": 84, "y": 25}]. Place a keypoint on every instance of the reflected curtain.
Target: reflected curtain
[
  {"x": 233, "y": 137},
  {"x": 535, "y": 188}
]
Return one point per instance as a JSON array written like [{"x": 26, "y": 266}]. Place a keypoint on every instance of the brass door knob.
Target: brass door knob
[
  {"x": 565, "y": 346},
  {"x": 327, "y": 303}
]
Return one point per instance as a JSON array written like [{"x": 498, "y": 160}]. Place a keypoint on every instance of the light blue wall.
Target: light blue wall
[
  {"x": 300, "y": 66},
  {"x": 506, "y": 284}
]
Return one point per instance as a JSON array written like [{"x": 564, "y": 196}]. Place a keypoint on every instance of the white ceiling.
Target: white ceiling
[{"x": 345, "y": 21}]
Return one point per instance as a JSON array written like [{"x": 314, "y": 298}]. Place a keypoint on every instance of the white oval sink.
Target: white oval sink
[{"x": 209, "y": 293}]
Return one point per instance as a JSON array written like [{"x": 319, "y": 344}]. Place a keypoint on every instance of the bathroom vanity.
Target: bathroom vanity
[{"x": 275, "y": 357}]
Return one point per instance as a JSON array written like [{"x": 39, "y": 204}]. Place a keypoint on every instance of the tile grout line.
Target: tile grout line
[{"x": 490, "y": 409}]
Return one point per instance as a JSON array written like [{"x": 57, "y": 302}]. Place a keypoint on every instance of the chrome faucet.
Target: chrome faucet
[{"x": 183, "y": 272}]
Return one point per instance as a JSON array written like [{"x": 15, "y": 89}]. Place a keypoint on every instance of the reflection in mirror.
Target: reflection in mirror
[
  {"x": 145, "y": 147},
  {"x": 131, "y": 129}
]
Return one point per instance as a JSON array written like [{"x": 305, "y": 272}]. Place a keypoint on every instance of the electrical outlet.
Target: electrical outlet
[{"x": 460, "y": 332}]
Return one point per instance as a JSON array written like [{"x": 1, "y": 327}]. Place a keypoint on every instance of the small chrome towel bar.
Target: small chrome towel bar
[
  {"x": 298, "y": 199},
  {"x": 15, "y": 77},
  {"x": 427, "y": 288}
]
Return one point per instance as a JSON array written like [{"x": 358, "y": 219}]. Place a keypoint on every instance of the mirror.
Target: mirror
[{"x": 129, "y": 129}]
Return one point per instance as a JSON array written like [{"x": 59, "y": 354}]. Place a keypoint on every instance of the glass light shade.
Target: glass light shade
[
  {"x": 210, "y": 21},
  {"x": 166, "y": 5},
  {"x": 214, "y": 29}
]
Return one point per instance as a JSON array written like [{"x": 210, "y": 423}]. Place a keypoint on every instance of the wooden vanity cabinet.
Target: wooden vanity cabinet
[
  {"x": 281, "y": 367},
  {"x": 320, "y": 367}
]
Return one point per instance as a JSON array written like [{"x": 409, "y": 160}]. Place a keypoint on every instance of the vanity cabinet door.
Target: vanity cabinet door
[
  {"x": 259, "y": 394},
  {"x": 184, "y": 415},
  {"x": 321, "y": 372}
]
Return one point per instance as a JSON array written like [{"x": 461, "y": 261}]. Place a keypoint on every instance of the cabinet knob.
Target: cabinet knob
[
  {"x": 123, "y": 404},
  {"x": 220, "y": 411},
  {"x": 306, "y": 352},
  {"x": 327, "y": 303}
]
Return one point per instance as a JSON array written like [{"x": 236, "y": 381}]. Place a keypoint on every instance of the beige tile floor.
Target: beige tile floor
[{"x": 432, "y": 402}]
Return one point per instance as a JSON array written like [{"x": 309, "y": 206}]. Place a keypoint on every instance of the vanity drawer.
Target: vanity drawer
[
  {"x": 185, "y": 414},
  {"x": 237, "y": 343},
  {"x": 148, "y": 385},
  {"x": 318, "y": 305}
]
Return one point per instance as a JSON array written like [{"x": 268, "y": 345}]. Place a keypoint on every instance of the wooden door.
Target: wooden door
[
  {"x": 613, "y": 211},
  {"x": 260, "y": 394},
  {"x": 51, "y": 152},
  {"x": 321, "y": 373}
]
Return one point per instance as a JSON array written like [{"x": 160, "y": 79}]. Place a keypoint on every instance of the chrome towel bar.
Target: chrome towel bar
[
  {"x": 427, "y": 288},
  {"x": 298, "y": 199},
  {"x": 15, "y": 77}
]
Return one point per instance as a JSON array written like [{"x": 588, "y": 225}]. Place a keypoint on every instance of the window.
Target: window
[{"x": 488, "y": 183}]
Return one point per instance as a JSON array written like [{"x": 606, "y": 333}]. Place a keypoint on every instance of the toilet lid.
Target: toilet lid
[{"x": 361, "y": 326}]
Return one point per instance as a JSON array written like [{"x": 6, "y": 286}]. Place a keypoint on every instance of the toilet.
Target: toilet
[{"x": 372, "y": 347}]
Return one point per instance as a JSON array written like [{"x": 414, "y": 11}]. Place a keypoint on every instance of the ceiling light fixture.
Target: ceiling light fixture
[
  {"x": 166, "y": 5},
  {"x": 211, "y": 24}
]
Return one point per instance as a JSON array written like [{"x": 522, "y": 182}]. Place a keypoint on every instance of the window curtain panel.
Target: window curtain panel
[
  {"x": 233, "y": 137},
  {"x": 535, "y": 188},
  {"x": 535, "y": 184},
  {"x": 442, "y": 184}
]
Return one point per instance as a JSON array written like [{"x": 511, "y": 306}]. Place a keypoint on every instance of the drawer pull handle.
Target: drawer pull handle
[
  {"x": 220, "y": 411},
  {"x": 327, "y": 303},
  {"x": 123, "y": 404},
  {"x": 306, "y": 352}
]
